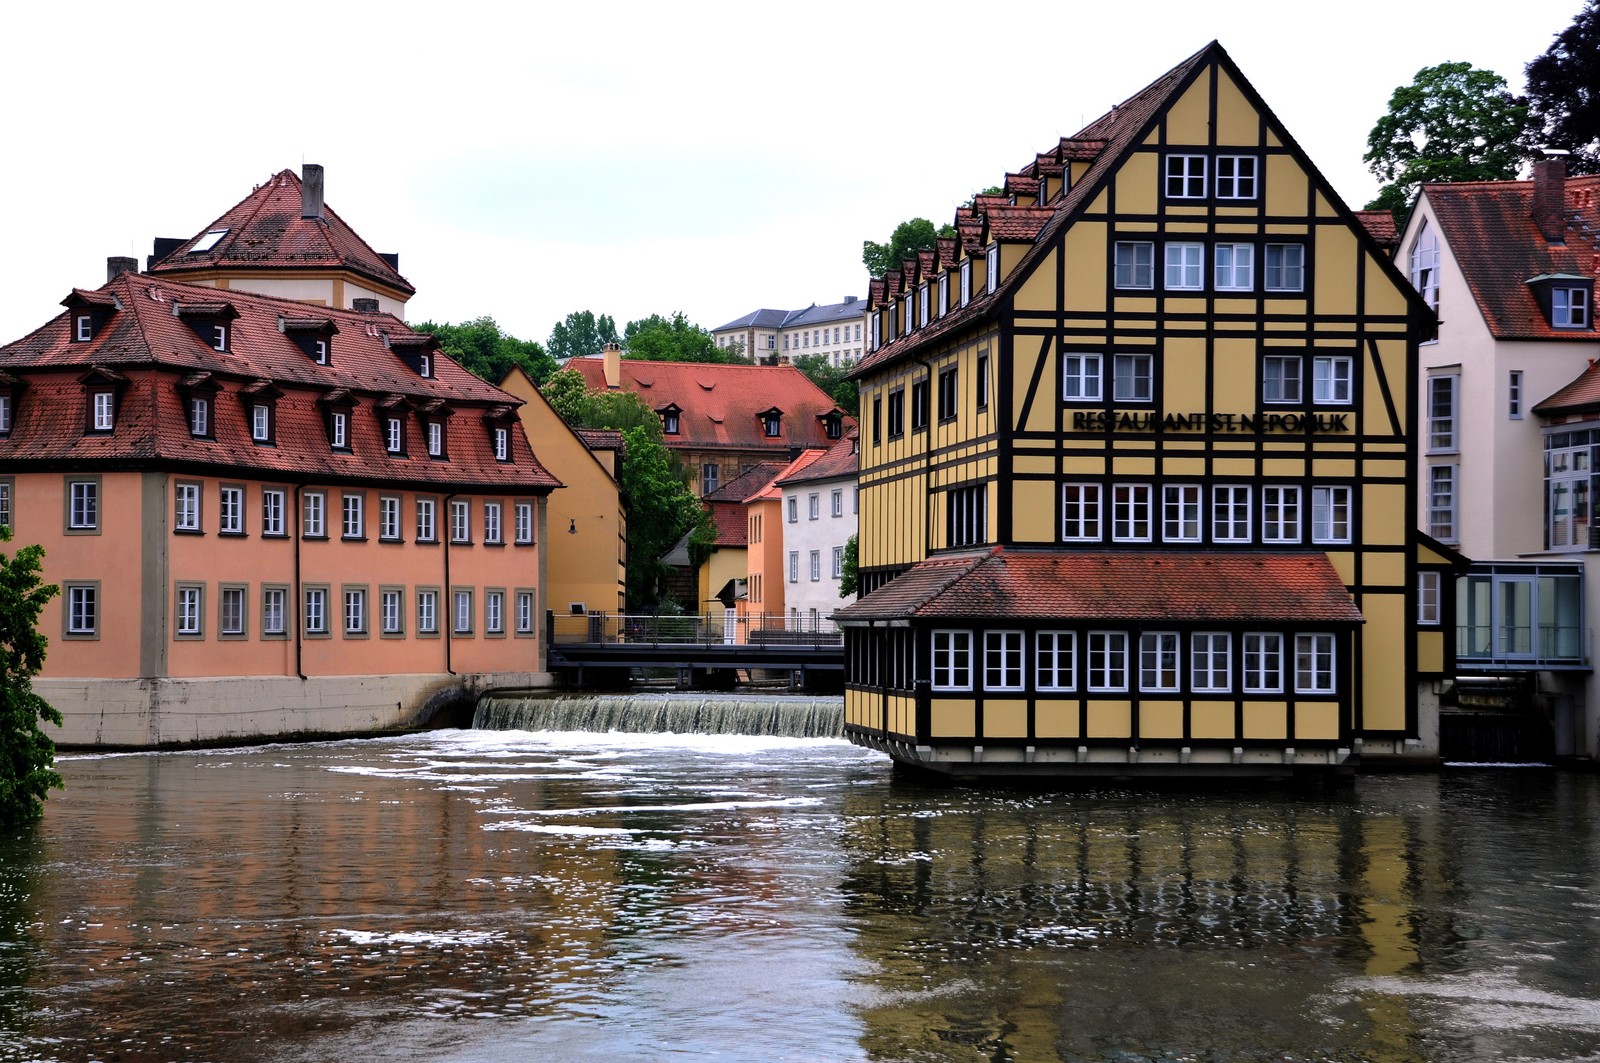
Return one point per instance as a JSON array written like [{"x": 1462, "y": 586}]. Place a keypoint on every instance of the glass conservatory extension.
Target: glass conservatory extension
[{"x": 1515, "y": 616}]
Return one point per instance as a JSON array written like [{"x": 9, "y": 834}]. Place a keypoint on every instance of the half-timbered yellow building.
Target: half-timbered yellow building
[{"x": 1137, "y": 475}]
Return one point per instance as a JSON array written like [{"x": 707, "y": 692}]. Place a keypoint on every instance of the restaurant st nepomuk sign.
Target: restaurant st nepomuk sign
[{"x": 1215, "y": 423}]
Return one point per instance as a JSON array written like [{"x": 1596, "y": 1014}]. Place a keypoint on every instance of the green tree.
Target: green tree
[
  {"x": 27, "y": 755},
  {"x": 485, "y": 350},
  {"x": 849, "y": 570},
  {"x": 582, "y": 334},
  {"x": 834, "y": 379},
  {"x": 909, "y": 237},
  {"x": 675, "y": 339},
  {"x": 1452, "y": 123},
  {"x": 1564, "y": 91}
]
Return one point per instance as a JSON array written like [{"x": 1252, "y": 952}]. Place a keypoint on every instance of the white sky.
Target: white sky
[{"x": 634, "y": 158}]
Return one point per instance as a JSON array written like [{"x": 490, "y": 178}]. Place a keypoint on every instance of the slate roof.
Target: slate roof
[
  {"x": 265, "y": 231},
  {"x": 719, "y": 404},
  {"x": 839, "y": 461},
  {"x": 812, "y": 315},
  {"x": 159, "y": 354},
  {"x": 1490, "y": 229},
  {"x": 1190, "y": 587}
]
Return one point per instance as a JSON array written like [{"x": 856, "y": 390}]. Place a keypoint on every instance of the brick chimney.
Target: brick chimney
[
  {"x": 1549, "y": 206},
  {"x": 611, "y": 360},
  {"x": 311, "y": 191},
  {"x": 117, "y": 265}
]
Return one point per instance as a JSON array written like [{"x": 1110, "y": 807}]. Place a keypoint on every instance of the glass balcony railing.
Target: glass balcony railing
[{"x": 1520, "y": 617}]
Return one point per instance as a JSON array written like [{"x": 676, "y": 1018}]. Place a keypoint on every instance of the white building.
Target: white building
[{"x": 819, "y": 517}]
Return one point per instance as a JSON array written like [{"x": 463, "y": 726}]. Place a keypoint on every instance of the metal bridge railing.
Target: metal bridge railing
[{"x": 707, "y": 629}]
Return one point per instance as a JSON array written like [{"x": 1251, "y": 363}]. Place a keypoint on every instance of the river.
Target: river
[{"x": 513, "y": 895}]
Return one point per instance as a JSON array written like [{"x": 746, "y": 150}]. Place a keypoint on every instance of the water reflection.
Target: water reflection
[{"x": 471, "y": 895}]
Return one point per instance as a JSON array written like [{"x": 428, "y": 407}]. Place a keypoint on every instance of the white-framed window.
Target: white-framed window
[
  {"x": 1185, "y": 266},
  {"x": 83, "y": 505},
  {"x": 944, "y": 299},
  {"x": 794, "y": 566},
  {"x": 1158, "y": 660},
  {"x": 1108, "y": 661},
  {"x": 1080, "y": 377},
  {"x": 1442, "y": 502},
  {"x": 427, "y": 612},
  {"x": 1281, "y": 378},
  {"x": 1442, "y": 414},
  {"x": 814, "y": 506},
  {"x": 992, "y": 268},
  {"x": 272, "y": 510},
  {"x": 355, "y": 611},
  {"x": 319, "y": 351},
  {"x": 494, "y": 612},
  {"x": 1284, "y": 268},
  {"x": 793, "y": 504},
  {"x": 1428, "y": 601},
  {"x": 274, "y": 620},
  {"x": 981, "y": 382},
  {"x": 191, "y": 603},
  {"x": 1132, "y": 377},
  {"x": 261, "y": 423},
  {"x": 1330, "y": 514},
  {"x": 710, "y": 477},
  {"x": 389, "y": 518},
  {"x": 1134, "y": 264},
  {"x": 952, "y": 660},
  {"x": 1263, "y": 662},
  {"x": 836, "y": 500},
  {"x": 5, "y": 414},
  {"x": 186, "y": 507},
  {"x": 83, "y": 609},
  {"x": 1236, "y": 176},
  {"x": 354, "y": 516},
  {"x": 105, "y": 411},
  {"x": 219, "y": 337},
  {"x": 1055, "y": 660},
  {"x": 492, "y": 524},
  {"x": 427, "y": 520},
  {"x": 816, "y": 566},
  {"x": 1569, "y": 308},
  {"x": 8, "y": 488},
  {"x": 1081, "y": 512},
  {"x": 524, "y": 612},
  {"x": 199, "y": 415},
  {"x": 1210, "y": 662},
  {"x": 1313, "y": 663},
  {"x": 393, "y": 434},
  {"x": 1280, "y": 513},
  {"x": 230, "y": 510},
  {"x": 1132, "y": 512},
  {"x": 460, "y": 521},
  {"x": 1514, "y": 395},
  {"x": 1425, "y": 265},
  {"x": 463, "y": 612},
  {"x": 84, "y": 324},
  {"x": 435, "y": 439},
  {"x": 1186, "y": 176},
  {"x": 838, "y": 562},
  {"x": 314, "y": 523},
  {"x": 1002, "y": 660},
  {"x": 390, "y": 610},
  {"x": 1331, "y": 376},
  {"x": 522, "y": 517},
  {"x": 338, "y": 430},
  {"x": 966, "y": 281},
  {"x": 1234, "y": 266},
  {"x": 922, "y": 309},
  {"x": 1180, "y": 513},
  {"x": 1230, "y": 513}
]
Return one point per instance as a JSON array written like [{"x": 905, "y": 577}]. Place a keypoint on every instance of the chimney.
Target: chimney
[
  {"x": 612, "y": 362},
  {"x": 311, "y": 191},
  {"x": 1549, "y": 206},
  {"x": 364, "y": 306},
  {"x": 117, "y": 265}
]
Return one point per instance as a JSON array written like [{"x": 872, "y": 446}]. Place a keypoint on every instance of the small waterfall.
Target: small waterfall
[{"x": 743, "y": 714}]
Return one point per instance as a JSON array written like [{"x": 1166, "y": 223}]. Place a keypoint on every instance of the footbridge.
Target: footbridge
[{"x": 708, "y": 650}]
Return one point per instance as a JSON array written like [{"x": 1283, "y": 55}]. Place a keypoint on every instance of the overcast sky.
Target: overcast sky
[{"x": 635, "y": 158}]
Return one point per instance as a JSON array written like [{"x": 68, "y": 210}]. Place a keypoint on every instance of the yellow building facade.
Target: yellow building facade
[{"x": 1137, "y": 469}]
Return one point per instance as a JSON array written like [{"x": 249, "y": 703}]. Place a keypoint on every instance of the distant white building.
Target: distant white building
[
  {"x": 819, "y": 517},
  {"x": 833, "y": 331}
]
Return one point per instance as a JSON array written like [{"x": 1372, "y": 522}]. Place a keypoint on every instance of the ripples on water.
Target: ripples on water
[{"x": 509, "y": 895}]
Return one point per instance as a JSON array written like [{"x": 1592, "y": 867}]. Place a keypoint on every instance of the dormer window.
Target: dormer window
[
  {"x": 772, "y": 422},
  {"x": 435, "y": 439},
  {"x": 198, "y": 392},
  {"x": 219, "y": 337},
  {"x": 200, "y": 416},
  {"x": 319, "y": 352},
  {"x": 1565, "y": 299},
  {"x": 102, "y": 389},
  {"x": 260, "y": 400},
  {"x": 966, "y": 281},
  {"x": 88, "y": 312},
  {"x": 425, "y": 366},
  {"x": 5, "y": 413},
  {"x": 313, "y": 335},
  {"x": 103, "y": 405},
  {"x": 337, "y": 406},
  {"x": 210, "y": 321},
  {"x": 394, "y": 434},
  {"x": 261, "y": 422},
  {"x": 82, "y": 328},
  {"x": 670, "y": 417},
  {"x": 832, "y": 424},
  {"x": 992, "y": 268},
  {"x": 339, "y": 430},
  {"x": 499, "y": 420},
  {"x": 416, "y": 349},
  {"x": 502, "y": 444}
]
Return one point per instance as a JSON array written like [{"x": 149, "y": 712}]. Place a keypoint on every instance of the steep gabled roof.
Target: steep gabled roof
[
  {"x": 1497, "y": 245},
  {"x": 265, "y": 231},
  {"x": 719, "y": 405},
  {"x": 1172, "y": 587},
  {"x": 839, "y": 461},
  {"x": 769, "y": 490}
]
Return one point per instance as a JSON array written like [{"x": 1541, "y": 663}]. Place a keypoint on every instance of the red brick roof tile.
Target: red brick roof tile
[
  {"x": 802, "y": 461},
  {"x": 1191, "y": 587},
  {"x": 1380, "y": 225}
]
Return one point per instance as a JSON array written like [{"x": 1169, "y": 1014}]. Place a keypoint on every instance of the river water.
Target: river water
[{"x": 506, "y": 895}]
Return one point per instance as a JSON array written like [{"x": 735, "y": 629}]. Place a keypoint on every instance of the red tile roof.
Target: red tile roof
[
  {"x": 143, "y": 340},
  {"x": 1380, "y": 226},
  {"x": 770, "y": 489},
  {"x": 1197, "y": 587},
  {"x": 265, "y": 231},
  {"x": 1491, "y": 232},
  {"x": 1582, "y": 395},
  {"x": 840, "y": 460},
  {"x": 719, "y": 404}
]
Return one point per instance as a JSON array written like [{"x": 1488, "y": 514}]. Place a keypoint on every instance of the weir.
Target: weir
[{"x": 677, "y": 713}]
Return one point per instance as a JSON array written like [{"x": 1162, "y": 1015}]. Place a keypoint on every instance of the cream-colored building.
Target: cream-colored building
[{"x": 834, "y": 331}]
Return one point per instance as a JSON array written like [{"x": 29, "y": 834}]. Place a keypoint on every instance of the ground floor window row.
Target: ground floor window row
[
  {"x": 1242, "y": 513},
  {"x": 1095, "y": 661},
  {"x": 236, "y": 611}
]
